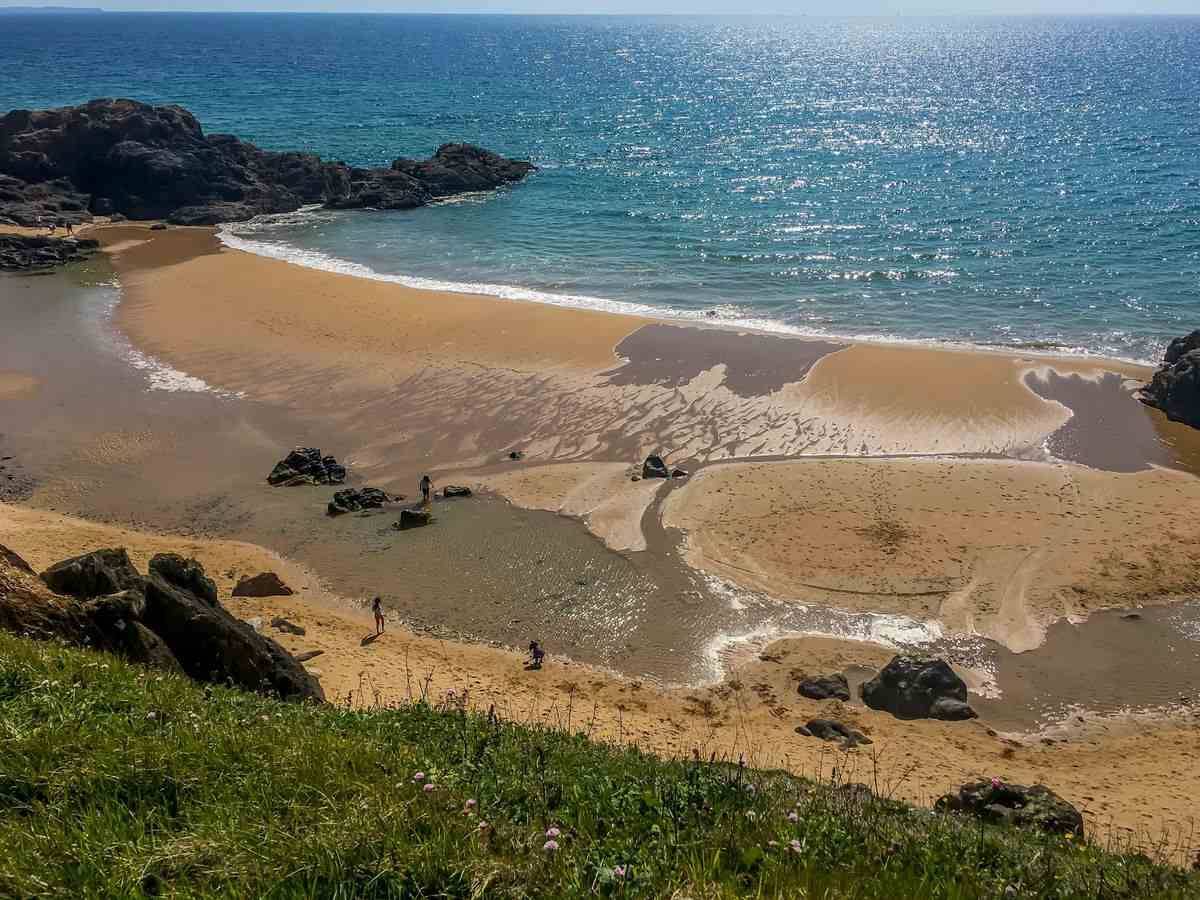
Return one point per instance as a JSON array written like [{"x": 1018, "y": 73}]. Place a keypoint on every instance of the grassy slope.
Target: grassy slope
[{"x": 117, "y": 781}]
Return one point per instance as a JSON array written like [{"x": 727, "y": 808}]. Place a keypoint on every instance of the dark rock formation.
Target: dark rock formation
[
  {"x": 14, "y": 559},
  {"x": 679, "y": 473},
  {"x": 155, "y": 162},
  {"x": 170, "y": 619},
  {"x": 516, "y": 454},
  {"x": 265, "y": 584},
  {"x": 829, "y": 730},
  {"x": 1175, "y": 388},
  {"x": 355, "y": 499},
  {"x": 451, "y": 491},
  {"x": 212, "y": 645},
  {"x": 951, "y": 710},
  {"x": 1015, "y": 804},
  {"x": 306, "y": 465},
  {"x": 412, "y": 518},
  {"x": 654, "y": 467},
  {"x": 30, "y": 253},
  {"x": 307, "y": 655},
  {"x": 910, "y": 687},
  {"x": 281, "y": 624},
  {"x": 93, "y": 574},
  {"x": 826, "y": 687}
]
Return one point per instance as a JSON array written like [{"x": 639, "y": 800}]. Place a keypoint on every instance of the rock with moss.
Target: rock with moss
[{"x": 1015, "y": 804}]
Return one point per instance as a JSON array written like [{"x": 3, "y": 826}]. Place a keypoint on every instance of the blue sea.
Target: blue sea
[{"x": 1026, "y": 182}]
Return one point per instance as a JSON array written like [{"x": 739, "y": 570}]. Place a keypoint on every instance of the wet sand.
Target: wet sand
[{"x": 166, "y": 411}]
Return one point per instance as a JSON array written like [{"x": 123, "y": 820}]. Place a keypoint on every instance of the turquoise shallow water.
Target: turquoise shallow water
[{"x": 1030, "y": 182}]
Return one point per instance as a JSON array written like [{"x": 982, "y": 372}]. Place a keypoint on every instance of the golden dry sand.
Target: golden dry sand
[
  {"x": 1136, "y": 783},
  {"x": 1002, "y": 548}
]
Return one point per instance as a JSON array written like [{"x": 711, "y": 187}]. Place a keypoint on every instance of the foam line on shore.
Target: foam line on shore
[{"x": 233, "y": 235}]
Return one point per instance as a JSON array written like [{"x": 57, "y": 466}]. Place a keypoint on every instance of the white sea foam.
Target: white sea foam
[{"x": 250, "y": 237}]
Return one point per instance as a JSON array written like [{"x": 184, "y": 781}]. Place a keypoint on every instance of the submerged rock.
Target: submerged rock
[
  {"x": 654, "y": 467},
  {"x": 412, "y": 518},
  {"x": 826, "y": 687},
  {"x": 1175, "y": 387},
  {"x": 155, "y": 162},
  {"x": 912, "y": 687},
  {"x": 357, "y": 499},
  {"x": 306, "y": 465},
  {"x": 1015, "y": 804},
  {"x": 264, "y": 584}
]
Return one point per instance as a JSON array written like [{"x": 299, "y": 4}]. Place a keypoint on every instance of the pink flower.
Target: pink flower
[
  {"x": 429, "y": 788},
  {"x": 550, "y": 846},
  {"x": 793, "y": 817},
  {"x": 419, "y": 777},
  {"x": 618, "y": 871},
  {"x": 552, "y": 832},
  {"x": 796, "y": 847},
  {"x": 483, "y": 826},
  {"x": 997, "y": 784},
  {"x": 470, "y": 804}
]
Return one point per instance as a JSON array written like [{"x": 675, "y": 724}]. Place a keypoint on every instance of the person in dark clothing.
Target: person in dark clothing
[
  {"x": 536, "y": 655},
  {"x": 426, "y": 488},
  {"x": 377, "y": 608}
]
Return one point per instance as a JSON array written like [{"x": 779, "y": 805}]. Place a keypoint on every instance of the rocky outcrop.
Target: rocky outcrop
[
  {"x": 170, "y": 619},
  {"x": 156, "y": 162},
  {"x": 356, "y": 499},
  {"x": 93, "y": 574},
  {"x": 826, "y": 687},
  {"x": 1015, "y": 804},
  {"x": 654, "y": 467},
  {"x": 20, "y": 253},
  {"x": 212, "y": 645},
  {"x": 14, "y": 559},
  {"x": 1175, "y": 387},
  {"x": 264, "y": 584},
  {"x": 281, "y": 624},
  {"x": 914, "y": 687},
  {"x": 451, "y": 491},
  {"x": 830, "y": 730},
  {"x": 306, "y": 465}
]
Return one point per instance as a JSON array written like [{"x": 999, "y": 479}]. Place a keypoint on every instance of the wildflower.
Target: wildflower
[
  {"x": 772, "y": 843},
  {"x": 470, "y": 804},
  {"x": 997, "y": 784},
  {"x": 151, "y": 715},
  {"x": 793, "y": 817},
  {"x": 751, "y": 815},
  {"x": 429, "y": 788},
  {"x": 483, "y": 826},
  {"x": 552, "y": 832},
  {"x": 618, "y": 871},
  {"x": 550, "y": 846},
  {"x": 419, "y": 777},
  {"x": 795, "y": 846}
]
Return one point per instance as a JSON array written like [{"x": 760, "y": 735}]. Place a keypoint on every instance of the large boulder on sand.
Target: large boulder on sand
[
  {"x": 1015, "y": 804},
  {"x": 412, "y": 518},
  {"x": 914, "y": 687},
  {"x": 1175, "y": 387},
  {"x": 654, "y": 467},
  {"x": 264, "y": 584},
  {"x": 826, "y": 687},
  {"x": 830, "y": 730},
  {"x": 210, "y": 643},
  {"x": 306, "y": 465},
  {"x": 94, "y": 574}
]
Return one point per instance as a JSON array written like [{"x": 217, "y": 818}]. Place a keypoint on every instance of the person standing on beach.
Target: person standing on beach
[
  {"x": 426, "y": 488},
  {"x": 377, "y": 608}
]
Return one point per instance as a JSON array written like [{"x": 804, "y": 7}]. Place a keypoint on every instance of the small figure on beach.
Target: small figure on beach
[
  {"x": 70, "y": 228},
  {"x": 536, "y": 655},
  {"x": 377, "y": 608},
  {"x": 426, "y": 488},
  {"x": 51, "y": 225}
]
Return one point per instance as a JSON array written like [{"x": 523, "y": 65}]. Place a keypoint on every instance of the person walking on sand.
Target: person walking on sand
[
  {"x": 426, "y": 488},
  {"x": 536, "y": 655},
  {"x": 377, "y": 608}
]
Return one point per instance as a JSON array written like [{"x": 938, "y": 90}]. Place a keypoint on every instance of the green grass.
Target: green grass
[{"x": 121, "y": 782}]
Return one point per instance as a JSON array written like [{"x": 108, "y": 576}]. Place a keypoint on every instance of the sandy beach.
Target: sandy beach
[{"x": 988, "y": 499}]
